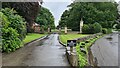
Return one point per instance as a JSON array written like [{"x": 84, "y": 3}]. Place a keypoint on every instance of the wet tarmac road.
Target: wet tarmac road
[
  {"x": 106, "y": 51},
  {"x": 47, "y": 53}
]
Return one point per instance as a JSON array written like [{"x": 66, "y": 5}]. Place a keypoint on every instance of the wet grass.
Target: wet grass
[
  {"x": 82, "y": 57},
  {"x": 65, "y": 37},
  {"x": 32, "y": 36}
]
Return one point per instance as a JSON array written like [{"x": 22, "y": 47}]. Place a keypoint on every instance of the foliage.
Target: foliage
[
  {"x": 97, "y": 28},
  {"x": 10, "y": 40},
  {"x": 92, "y": 28},
  {"x": 45, "y": 18},
  {"x": 104, "y": 30},
  {"x": 104, "y": 13},
  {"x": 82, "y": 57},
  {"x": 28, "y": 10},
  {"x": 109, "y": 30},
  {"x": 118, "y": 26},
  {"x": 85, "y": 29},
  {"x": 63, "y": 20},
  {"x": 16, "y": 22}
]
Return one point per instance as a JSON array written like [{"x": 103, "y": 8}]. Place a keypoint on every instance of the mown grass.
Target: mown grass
[
  {"x": 32, "y": 36},
  {"x": 65, "y": 37}
]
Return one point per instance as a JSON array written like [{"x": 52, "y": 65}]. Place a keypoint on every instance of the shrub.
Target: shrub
[
  {"x": 118, "y": 26},
  {"x": 92, "y": 28},
  {"x": 85, "y": 29},
  {"x": 104, "y": 30},
  {"x": 97, "y": 28},
  {"x": 16, "y": 22},
  {"x": 10, "y": 40},
  {"x": 109, "y": 30}
]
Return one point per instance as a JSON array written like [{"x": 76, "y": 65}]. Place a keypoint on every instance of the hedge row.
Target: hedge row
[
  {"x": 13, "y": 30},
  {"x": 95, "y": 28}
]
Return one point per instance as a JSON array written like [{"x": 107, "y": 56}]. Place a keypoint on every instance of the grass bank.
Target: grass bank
[
  {"x": 82, "y": 54},
  {"x": 65, "y": 37},
  {"x": 32, "y": 36}
]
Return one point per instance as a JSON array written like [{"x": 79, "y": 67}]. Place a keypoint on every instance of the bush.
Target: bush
[
  {"x": 97, "y": 28},
  {"x": 16, "y": 22},
  {"x": 85, "y": 29},
  {"x": 118, "y": 26},
  {"x": 92, "y": 28},
  {"x": 109, "y": 30},
  {"x": 10, "y": 40},
  {"x": 104, "y": 30}
]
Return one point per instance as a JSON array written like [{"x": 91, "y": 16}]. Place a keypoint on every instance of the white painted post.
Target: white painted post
[
  {"x": 81, "y": 25},
  {"x": 65, "y": 29},
  {"x": 59, "y": 29}
]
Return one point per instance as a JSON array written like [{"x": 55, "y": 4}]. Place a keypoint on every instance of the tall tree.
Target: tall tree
[
  {"x": 45, "y": 18},
  {"x": 104, "y": 13},
  {"x": 28, "y": 10}
]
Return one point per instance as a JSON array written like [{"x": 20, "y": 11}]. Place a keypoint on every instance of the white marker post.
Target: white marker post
[
  {"x": 65, "y": 29},
  {"x": 81, "y": 25}
]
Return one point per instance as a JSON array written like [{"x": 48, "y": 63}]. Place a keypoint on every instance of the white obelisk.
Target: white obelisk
[
  {"x": 81, "y": 25},
  {"x": 65, "y": 29}
]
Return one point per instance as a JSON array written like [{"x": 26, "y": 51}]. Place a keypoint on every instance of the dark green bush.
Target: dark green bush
[
  {"x": 109, "y": 30},
  {"x": 92, "y": 28},
  {"x": 16, "y": 22},
  {"x": 10, "y": 40},
  {"x": 97, "y": 28},
  {"x": 85, "y": 29},
  {"x": 118, "y": 26},
  {"x": 104, "y": 30}
]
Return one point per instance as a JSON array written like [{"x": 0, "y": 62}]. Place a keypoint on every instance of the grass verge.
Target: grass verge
[
  {"x": 82, "y": 56},
  {"x": 31, "y": 37},
  {"x": 65, "y": 37}
]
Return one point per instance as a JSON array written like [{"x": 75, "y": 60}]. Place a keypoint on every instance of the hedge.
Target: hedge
[{"x": 13, "y": 30}]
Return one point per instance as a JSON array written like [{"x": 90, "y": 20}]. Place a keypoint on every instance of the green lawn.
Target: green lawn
[
  {"x": 32, "y": 36},
  {"x": 66, "y": 37}
]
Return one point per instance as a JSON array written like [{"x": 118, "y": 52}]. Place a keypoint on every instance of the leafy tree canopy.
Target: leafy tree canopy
[
  {"x": 16, "y": 22},
  {"x": 28, "y": 10},
  {"x": 45, "y": 18},
  {"x": 104, "y": 13}
]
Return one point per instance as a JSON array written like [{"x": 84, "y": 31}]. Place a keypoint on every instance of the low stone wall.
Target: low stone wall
[{"x": 72, "y": 56}]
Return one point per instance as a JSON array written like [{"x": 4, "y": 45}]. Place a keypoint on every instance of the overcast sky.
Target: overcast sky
[{"x": 57, "y": 7}]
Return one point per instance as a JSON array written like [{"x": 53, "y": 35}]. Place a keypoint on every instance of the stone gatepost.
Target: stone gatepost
[
  {"x": 48, "y": 30},
  {"x": 81, "y": 25},
  {"x": 65, "y": 29},
  {"x": 59, "y": 29}
]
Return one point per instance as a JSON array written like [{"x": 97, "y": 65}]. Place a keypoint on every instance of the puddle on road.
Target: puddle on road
[
  {"x": 41, "y": 42},
  {"x": 109, "y": 38}
]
